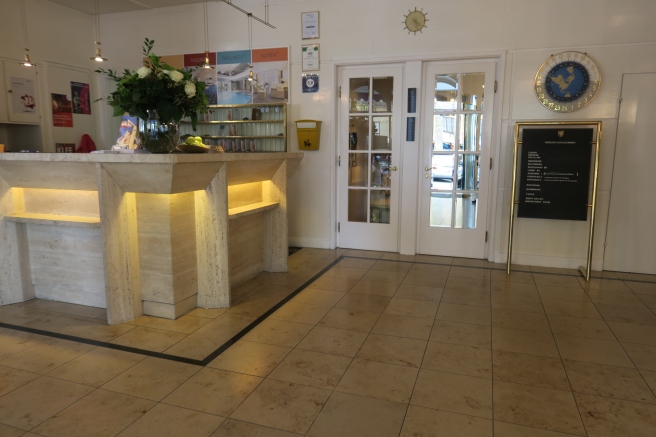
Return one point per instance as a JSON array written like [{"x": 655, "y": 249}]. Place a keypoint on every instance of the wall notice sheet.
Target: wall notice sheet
[{"x": 555, "y": 173}]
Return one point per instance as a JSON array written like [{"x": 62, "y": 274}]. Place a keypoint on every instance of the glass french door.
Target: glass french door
[
  {"x": 456, "y": 159},
  {"x": 369, "y": 145}
]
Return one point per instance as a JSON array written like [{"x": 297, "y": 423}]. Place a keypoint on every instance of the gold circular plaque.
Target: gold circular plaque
[{"x": 415, "y": 21}]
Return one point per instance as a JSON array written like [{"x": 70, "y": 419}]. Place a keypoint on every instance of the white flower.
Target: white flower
[
  {"x": 176, "y": 76},
  {"x": 190, "y": 89},
  {"x": 143, "y": 72}
]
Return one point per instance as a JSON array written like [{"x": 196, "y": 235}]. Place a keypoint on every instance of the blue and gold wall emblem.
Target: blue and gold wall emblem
[{"x": 567, "y": 81}]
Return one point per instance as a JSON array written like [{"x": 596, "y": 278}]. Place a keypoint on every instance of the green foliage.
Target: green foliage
[{"x": 157, "y": 86}]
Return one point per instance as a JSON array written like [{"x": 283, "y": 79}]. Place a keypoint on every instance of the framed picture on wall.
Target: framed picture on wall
[{"x": 310, "y": 25}]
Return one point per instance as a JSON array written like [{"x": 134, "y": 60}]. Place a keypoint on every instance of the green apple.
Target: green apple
[
  {"x": 191, "y": 141},
  {"x": 198, "y": 140}
]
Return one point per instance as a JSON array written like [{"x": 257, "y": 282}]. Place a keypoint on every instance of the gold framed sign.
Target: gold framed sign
[
  {"x": 311, "y": 57},
  {"x": 310, "y": 25}
]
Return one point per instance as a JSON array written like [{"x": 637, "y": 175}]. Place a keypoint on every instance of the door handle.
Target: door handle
[
  {"x": 394, "y": 168},
  {"x": 427, "y": 168},
  {"x": 426, "y": 176}
]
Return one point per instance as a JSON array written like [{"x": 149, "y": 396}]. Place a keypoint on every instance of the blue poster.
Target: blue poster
[{"x": 310, "y": 83}]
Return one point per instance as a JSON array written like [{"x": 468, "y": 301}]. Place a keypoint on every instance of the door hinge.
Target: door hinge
[
  {"x": 495, "y": 86},
  {"x": 340, "y": 92},
  {"x": 339, "y": 161},
  {"x": 338, "y": 226},
  {"x": 486, "y": 236},
  {"x": 490, "y": 163}
]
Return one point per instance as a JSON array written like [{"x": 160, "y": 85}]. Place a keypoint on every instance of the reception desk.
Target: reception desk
[{"x": 140, "y": 234}]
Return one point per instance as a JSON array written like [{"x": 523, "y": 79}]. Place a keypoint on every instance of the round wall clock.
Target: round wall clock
[
  {"x": 415, "y": 21},
  {"x": 567, "y": 81}
]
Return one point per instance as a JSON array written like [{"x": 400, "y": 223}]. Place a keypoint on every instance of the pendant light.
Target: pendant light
[
  {"x": 207, "y": 64},
  {"x": 26, "y": 62},
  {"x": 98, "y": 57}
]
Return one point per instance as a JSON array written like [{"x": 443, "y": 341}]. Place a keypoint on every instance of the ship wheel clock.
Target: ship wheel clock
[
  {"x": 415, "y": 21},
  {"x": 567, "y": 81}
]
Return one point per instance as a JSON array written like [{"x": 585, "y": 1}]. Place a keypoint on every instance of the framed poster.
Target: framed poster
[
  {"x": 311, "y": 57},
  {"x": 310, "y": 83},
  {"x": 310, "y": 25}
]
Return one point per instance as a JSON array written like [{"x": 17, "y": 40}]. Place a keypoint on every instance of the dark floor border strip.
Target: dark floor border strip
[
  {"x": 211, "y": 357},
  {"x": 102, "y": 344}
]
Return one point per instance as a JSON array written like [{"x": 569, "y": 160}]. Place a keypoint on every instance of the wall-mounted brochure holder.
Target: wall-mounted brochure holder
[
  {"x": 554, "y": 172},
  {"x": 309, "y": 133}
]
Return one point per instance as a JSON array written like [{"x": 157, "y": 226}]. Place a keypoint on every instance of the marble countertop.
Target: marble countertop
[{"x": 173, "y": 158}]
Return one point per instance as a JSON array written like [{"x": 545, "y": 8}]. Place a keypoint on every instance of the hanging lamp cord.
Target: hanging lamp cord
[
  {"x": 207, "y": 38},
  {"x": 24, "y": 18}
]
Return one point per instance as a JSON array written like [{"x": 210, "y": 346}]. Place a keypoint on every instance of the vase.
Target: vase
[{"x": 158, "y": 136}]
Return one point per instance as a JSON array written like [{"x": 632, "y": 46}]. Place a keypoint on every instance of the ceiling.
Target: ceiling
[{"x": 113, "y": 6}]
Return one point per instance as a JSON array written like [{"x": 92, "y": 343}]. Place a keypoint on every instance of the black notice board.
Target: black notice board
[{"x": 555, "y": 173}]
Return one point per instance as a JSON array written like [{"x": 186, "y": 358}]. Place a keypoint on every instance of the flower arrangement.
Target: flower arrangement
[{"x": 173, "y": 93}]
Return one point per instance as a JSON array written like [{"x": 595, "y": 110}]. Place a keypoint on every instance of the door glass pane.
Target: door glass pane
[
  {"x": 383, "y": 94},
  {"x": 359, "y": 94},
  {"x": 380, "y": 206},
  {"x": 468, "y": 170},
  {"x": 380, "y": 169},
  {"x": 357, "y": 205},
  {"x": 473, "y": 85},
  {"x": 469, "y": 132},
  {"x": 440, "y": 209},
  {"x": 443, "y": 172},
  {"x": 466, "y": 211},
  {"x": 446, "y": 92},
  {"x": 444, "y": 132},
  {"x": 358, "y": 133},
  {"x": 358, "y": 169},
  {"x": 382, "y": 131}
]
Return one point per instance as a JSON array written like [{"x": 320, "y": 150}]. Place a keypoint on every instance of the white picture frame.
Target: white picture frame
[
  {"x": 311, "y": 58},
  {"x": 310, "y": 25}
]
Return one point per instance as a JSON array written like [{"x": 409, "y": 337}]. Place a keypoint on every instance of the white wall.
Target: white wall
[{"x": 521, "y": 34}]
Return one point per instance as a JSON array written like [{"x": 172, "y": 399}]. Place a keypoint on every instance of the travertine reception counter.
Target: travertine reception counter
[{"x": 140, "y": 234}]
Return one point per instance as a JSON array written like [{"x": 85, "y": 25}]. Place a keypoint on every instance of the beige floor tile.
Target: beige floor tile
[
  {"x": 517, "y": 303},
  {"x": 642, "y": 287},
  {"x": 373, "y": 254},
  {"x": 580, "y": 327},
  {"x": 392, "y": 277},
  {"x": 363, "y": 302},
  {"x": 149, "y": 339},
  {"x": 419, "y": 293},
  {"x": 11, "y": 379},
  {"x": 608, "y": 381},
  {"x": 453, "y": 358},
  {"x": 333, "y": 341},
  {"x": 392, "y": 266},
  {"x": 530, "y": 370},
  {"x": 376, "y": 288},
  {"x": 466, "y": 297},
  {"x": 152, "y": 378},
  {"x": 648, "y": 299},
  {"x": 168, "y": 421},
  {"x": 605, "y": 417},
  {"x": 616, "y": 313},
  {"x": 398, "y": 257},
  {"x": 251, "y": 358},
  {"x": 650, "y": 378},
  {"x": 604, "y": 285},
  {"x": 562, "y": 293},
  {"x": 412, "y": 308},
  {"x": 300, "y": 313},
  {"x": 46, "y": 355},
  {"x": 311, "y": 368},
  {"x": 430, "y": 269},
  {"x": 315, "y": 296},
  {"x": 357, "y": 263},
  {"x": 592, "y": 350},
  {"x": 524, "y": 342},
  {"x": 520, "y": 320},
  {"x": 342, "y": 285},
  {"x": 514, "y": 288},
  {"x": 632, "y": 333},
  {"x": 101, "y": 413},
  {"x": 467, "y": 283},
  {"x": 213, "y": 391},
  {"x": 424, "y": 279},
  {"x": 93, "y": 329},
  {"x": 471, "y": 262},
  {"x": 36, "y": 401},
  {"x": 464, "y": 314},
  {"x": 503, "y": 429},
  {"x": 644, "y": 356},
  {"x": 378, "y": 380},
  {"x": 20, "y": 314},
  {"x": 420, "y": 422},
  {"x": 556, "y": 280},
  {"x": 237, "y": 428},
  {"x": 462, "y": 333},
  {"x": 469, "y": 272},
  {"x": 570, "y": 308},
  {"x": 13, "y": 342},
  {"x": 348, "y": 415},
  {"x": 67, "y": 308},
  {"x": 97, "y": 366},
  {"x": 513, "y": 278},
  {"x": 184, "y": 325},
  {"x": 614, "y": 298},
  {"x": 537, "y": 407},
  {"x": 454, "y": 393},
  {"x": 342, "y": 318},
  {"x": 393, "y": 350},
  {"x": 345, "y": 272},
  {"x": 433, "y": 259},
  {"x": 10, "y": 431},
  {"x": 208, "y": 313},
  {"x": 403, "y": 326},
  {"x": 278, "y": 332},
  {"x": 556, "y": 271},
  {"x": 295, "y": 278},
  {"x": 283, "y": 405},
  {"x": 256, "y": 305}
]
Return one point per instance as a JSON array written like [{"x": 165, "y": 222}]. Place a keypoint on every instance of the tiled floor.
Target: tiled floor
[{"x": 379, "y": 345}]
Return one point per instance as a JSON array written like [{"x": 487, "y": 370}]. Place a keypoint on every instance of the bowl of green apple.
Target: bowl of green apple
[{"x": 193, "y": 145}]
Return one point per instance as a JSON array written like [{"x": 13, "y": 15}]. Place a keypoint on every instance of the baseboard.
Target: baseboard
[
  {"x": 317, "y": 243},
  {"x": 547, "y": 261}
]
